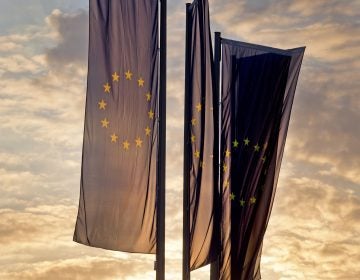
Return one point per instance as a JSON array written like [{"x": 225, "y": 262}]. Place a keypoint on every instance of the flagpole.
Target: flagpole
[
  {"x": 160, "y": 230},
  {"x": 186, "y": 191},
  {"x": 215, "y": 266}
]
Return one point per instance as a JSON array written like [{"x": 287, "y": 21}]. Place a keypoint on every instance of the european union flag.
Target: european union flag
[
  {"x": 258, "y": 87},
  {"x": 200, "y": 187},
  {"x": 118, "y": 176}
]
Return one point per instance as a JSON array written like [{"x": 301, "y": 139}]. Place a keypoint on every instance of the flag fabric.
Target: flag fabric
[
  {"x": 258, "y": 87},
  {"x": 118, "y": 176},
  {"x": 200, "y": 145}
]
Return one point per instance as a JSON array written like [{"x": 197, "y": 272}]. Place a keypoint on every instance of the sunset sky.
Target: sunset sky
[{"x": 314, "y": 230}]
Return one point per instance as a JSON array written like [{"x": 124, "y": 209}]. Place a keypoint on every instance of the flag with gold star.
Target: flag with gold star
[
  {"x": 258, "y": 87},
  {"x": 118, "y": 176},
  {"x": 199, "y": 186}
]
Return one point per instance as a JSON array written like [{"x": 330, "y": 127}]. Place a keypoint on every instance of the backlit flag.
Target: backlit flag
[
  {"x": 258, "y": 87},
  {"x": 199, "y": 145},
  {"x": 118, "y": 177}
]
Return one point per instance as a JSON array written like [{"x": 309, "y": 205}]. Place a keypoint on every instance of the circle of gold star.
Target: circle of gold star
[
  {"x": 128, "y": 75},
  {"x": 148, "y": 96},
  {"x": 115, "y": 77},
  {"x": 107, "y": 88},
  {"x": 252, "y": 200},
  {"x": 227, "y": 153},
  {"x": 102, "y": 104},
  {"x": 126, "y": 145},
  {"x": 197, "y": 154},
  {"x": 105, "y": 123},
  {"x": 141, "y": 82},
  {"x": 198, "y": 107},
  {"x": 235, "y": 143},
  {"x": 114, "y": 138},
  {"x": 151, "y": 114},
  {"x": 138, "y": 142},
  {"x": 225, "y": 167}
]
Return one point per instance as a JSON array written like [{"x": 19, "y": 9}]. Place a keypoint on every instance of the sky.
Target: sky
[{"x": 314, "y": 230}]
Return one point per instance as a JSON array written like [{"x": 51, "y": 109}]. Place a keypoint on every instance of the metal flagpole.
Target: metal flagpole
[
  {"x": 215, "y": 266},
  {"x": 186, "y": 191},
  {"x": 160, "y": 229}
]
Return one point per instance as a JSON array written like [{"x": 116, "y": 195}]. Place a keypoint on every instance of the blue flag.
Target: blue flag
[
  {"x": 118, "y": 177},
  {"x": 258, "y": 87},
  {"x": 199, "y": 147}
]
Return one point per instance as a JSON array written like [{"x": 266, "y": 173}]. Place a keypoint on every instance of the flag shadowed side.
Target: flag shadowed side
[
  {"x": 258, "y": 87},
  {"x": 117, "y": 207},
  {"x": 200, "y": 188}
]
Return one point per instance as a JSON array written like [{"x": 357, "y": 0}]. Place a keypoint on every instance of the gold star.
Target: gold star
[
  {"x": 232, "y": 196},
  {"x": 252, "y": 200},
  {"x": 227, "y": 153},
  {"x": 102, "y": 104},
  {"x": 246, "y": 141},
  {"x": 151, "y": 114},
  {"x": 257, "y": 148},
  {"x": 115, "y": 77},
  {"x": 197, "y": 154},
  {"x": 147, "y": 131},
  {"x": 107, "y": 88},
  {"x": 138, "y": 142},
  {"x": 193, "y": 122},
  {"x": 242, "y": 203},
  {"x": 235, "y": 143},
  {"x": 126, "y": 145},
  {"x": 263, "y": 159},
  {"x": 141, "y": 82},
  {"x": 114, "y": 138},
  {"x": 227, "y": 183},
  {"x": 105, "y": 123},
  {"x": 198, "y": 107},
  {"x": 128, "y": 75},
  {"x": 148, "y": 96},
  {"x": 202, "y": 164},
  {"x": 225, "y": 167},
  {"x": 193, "y": 138}
]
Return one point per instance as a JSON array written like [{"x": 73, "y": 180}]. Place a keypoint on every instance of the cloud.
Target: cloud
[
  {"x": 40, "y": 238},
  {"x": 41, "y": 153},
  {"x": 282, "y": 24},
  {"x": 323, "y": 234},
  {"x": 323, "y": 130},
  {"x": 33, "y": 223},
  {"x": 19, "y": 63},
  {"x": 85, "y": 268},
  {"x": 72, "y": 31}
]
